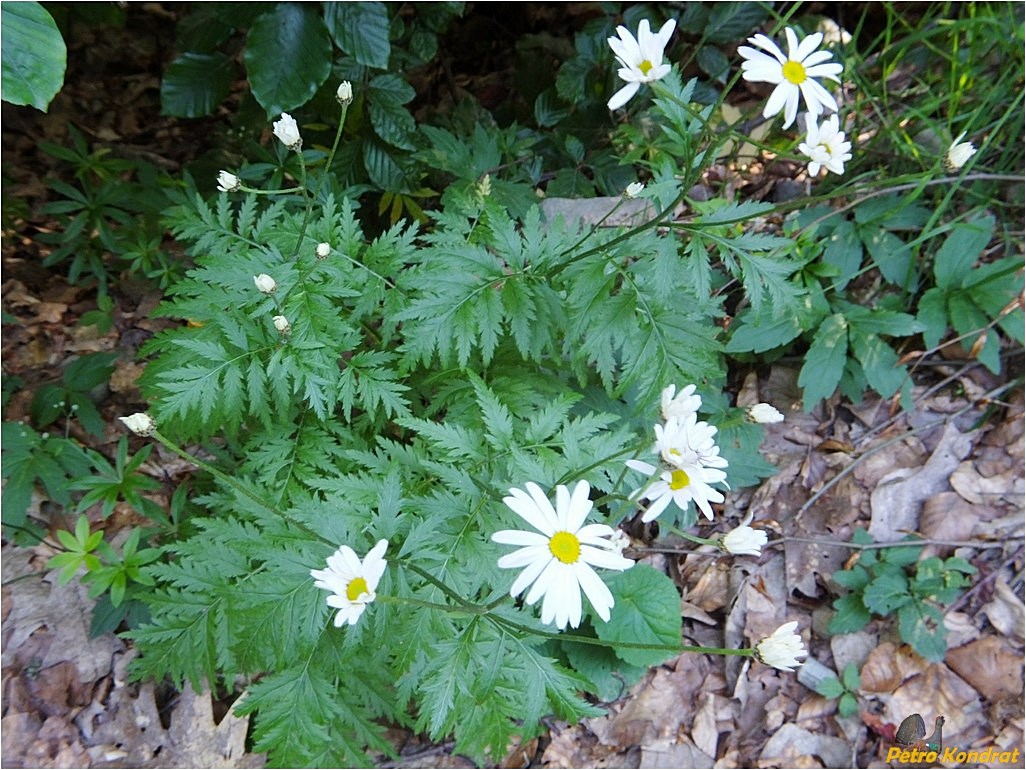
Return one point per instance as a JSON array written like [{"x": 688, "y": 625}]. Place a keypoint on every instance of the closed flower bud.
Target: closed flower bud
[
  {"x": 344, "y": 94},
  {"x": 265, "y": 283},
  {"x": 227, "y": 182},
  {"x": 140, "y": 423},
  {"x": 764, "y": 413},
  {"x": 281, "y": 323},
  {"x": 959, "y": 153},
  {"x": 288, "y": 132},
  {"x": 323, "y": 250},
  {"x": 782, "y": 649},
  {"x": 743, "y": 541}
]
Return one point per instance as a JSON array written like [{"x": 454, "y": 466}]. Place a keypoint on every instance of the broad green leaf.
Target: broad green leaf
[
  {"x": 714, "y": 63},
  {"x": 891, "y": 254},
  {"x": 922, "y": 626},
  {"x": 647, "y": 611},
  {"x": 288, "y": 56},
  {"x": 844, "y": 251},
  {"x": 381, "y": 167},
  {"x": 361, "y": 29},
  {"x": 195, "y": 84},
  {"x": 830, "y": 687},
  {"x": 851, "y": 678},
  {"x": 393, "y": 123},
  {"x": 824, "y": 363},
  {"x": 933, "y": 315},
  {"x": 960, "y": 250},
  {"x": 887, "y": 592},
  {"x": 851, "y": 616},
  {"x": 855, "y": 578},
  {"x": 730, "y": 22},
  {"x": 879, "y": 362},
  {"x": 750, "y": 338},
  {"x": 33, "y": 54}
]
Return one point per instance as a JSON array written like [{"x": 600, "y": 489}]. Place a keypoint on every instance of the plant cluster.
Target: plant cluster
[
  {"x": 420, "y": 432},
  {"x": 888, "y": 581}
]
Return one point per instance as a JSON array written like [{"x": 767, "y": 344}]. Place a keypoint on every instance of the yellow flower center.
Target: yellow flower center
[
  {"x": 795, "y": 72},
  {"x": 678, "y": 480},
  {"x": 565, "y": 547},
  {"x": 645, "y": 66},
  {"x": 357, "y": 587}
]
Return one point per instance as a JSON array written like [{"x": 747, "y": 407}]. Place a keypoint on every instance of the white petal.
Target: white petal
[
  {"x": 526, "y": 507},
  {"x": 621, "y": 97},
  {"x": 519, "y": 537},
  {"x": 778, "y": 99},
  {"x": 597, "y": 592},
  {"x": 807, "y": 46},
  {"x": 578, "y": 506}
]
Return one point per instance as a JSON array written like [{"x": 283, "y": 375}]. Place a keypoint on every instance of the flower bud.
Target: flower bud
[
  {"x": 743, "y": 541},
  {"x": 281, "y": 323},
  {"x": 344, "y": 94},
  {"x": 140, "y": 423},
  {"x": 288, "y": 132},
  {"x": 764, "y": 413},
  {"x": 227, "y": 182},
  {"x": 959, "y": 153},
  {"x": 323, "y": 250},
  {"x": 265, "y": 283},
  {"x": 782, "y": 648},
  {"x": 633, "y": 190}
]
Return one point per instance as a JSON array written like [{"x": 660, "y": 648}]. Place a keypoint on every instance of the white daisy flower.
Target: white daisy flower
[
  {"x": 959, "y": 153},
  {"x": 824, "y": 144},
  {"x": 782, "y": 649},
  {"x": 743, "y": 541},
  {"x": 641, "y": 59},
  {"x": 680, "y": 405},
  {"x": 793, "y": 74},
  {"x": 680, "y": 486},
  {"x": 559, "y": 560},
  {"x": 685, "y": 441},
  {"x": 352, "y": 583}
]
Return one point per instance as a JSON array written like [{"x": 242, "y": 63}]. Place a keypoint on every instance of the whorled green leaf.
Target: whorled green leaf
[
  {"x": 34, "y": 56},
  {"x": 195, "y": 83},
  {"x": 288, "y": 56}
]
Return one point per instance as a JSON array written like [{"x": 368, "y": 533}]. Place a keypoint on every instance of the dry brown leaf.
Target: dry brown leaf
[
  {"x": 939, "y": 691},
  {"x": 947, "y": 516},
  {"x": 704, "y": 730},
  {"x": 897, "y": 501},
  {"x": 989, "y": 665},
  {"x": 791, "y": 746},
  {"x": 674, "y": 753},
  {"x": 1006, "y": 611},
  {"x": 975, "y": 488},
  {"x": 887, "y": 667}
]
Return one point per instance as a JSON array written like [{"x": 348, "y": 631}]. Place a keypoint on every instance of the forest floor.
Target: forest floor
[{"x": 951, "y": 470}]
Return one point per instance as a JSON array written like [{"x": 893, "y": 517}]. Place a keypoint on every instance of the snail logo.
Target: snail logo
[{"x": 912, "y": 734}]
